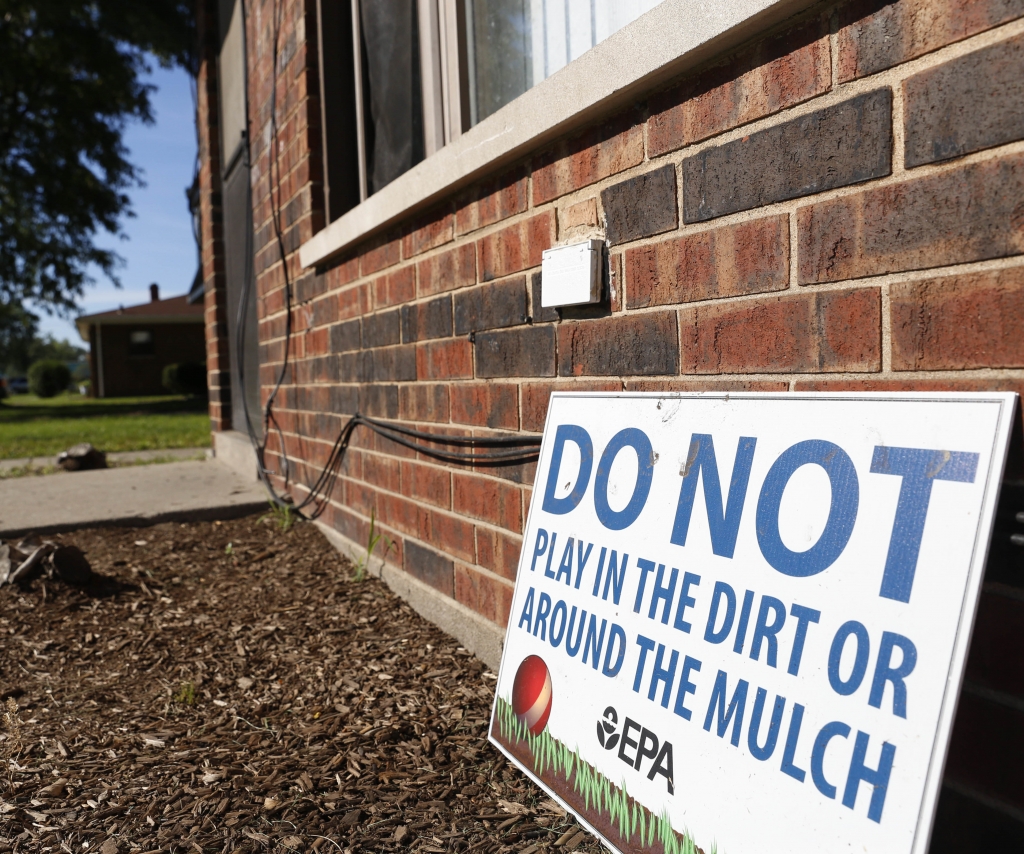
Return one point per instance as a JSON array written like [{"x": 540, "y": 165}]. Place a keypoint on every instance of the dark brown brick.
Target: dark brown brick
[
  {"x": 830, "y": 331},
  {"x": 598, "y": 152},
  {"x": 427, "y": 320},
  {"x": 424, "y": 402},
  {"x": 490, "y": 404},
  {"x": 516, "y": 247},
  {"x": 998, "y": 634},
  {"x": 769, "y": 76},
  {"x": 642, "y": 206},
  {"x": 878, "y": 34},
  {"x": 345, "y": 336},
  {"x": 987, "y": 749},
  {"x": 392, "y": 364},
  {"x": 832, "y": 147},
  {"x": 966, "y": 214},
  {"x": 696, "y": 386},
  {"x": 525, "y": 352},
  {"x": 378, "y": 400},
  {"x": 959, "y": 322},
  {"x": 493, "y": 305},
  {"x": 446, "y": 271},
  {"x": 733, "y": 260},
  {"x": 430, "y": 567},
  {"x": 625, "y": 345},
  {"x": 970, "y": 103},
  {"x": 382, "y": 329}
]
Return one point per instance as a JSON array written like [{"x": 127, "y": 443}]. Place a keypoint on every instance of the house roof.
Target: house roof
[{"x": 172, "y": 310}]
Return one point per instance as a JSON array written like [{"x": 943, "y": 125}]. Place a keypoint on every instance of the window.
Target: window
[
  {"x": 140, "y": 342},
  {"x": 402, "y": 78}
]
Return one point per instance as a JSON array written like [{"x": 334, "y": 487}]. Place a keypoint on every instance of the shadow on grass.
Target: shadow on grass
[{"x": 12, "y": 411}]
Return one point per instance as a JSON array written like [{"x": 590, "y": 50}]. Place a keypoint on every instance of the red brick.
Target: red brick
[
  {"x": 878, "y": 34},
  {"x": 965, "y": 214},
  {"x": 493, "y": 201},
  {"x": 516, "y": 247},
  {"x": 959, "y": 322},
  {"x": 353, "y": 302},
  {"x": 734, "y": 260},
  {"x": 498, "y": 551},
  {"x": 427, "y": 483},
  {"x": 436, "y": 232},
  {"x": 830, "y": 331},
  {"x": 342, "y": 273},
  {"x": 489, "y": 597},
  {"x": 624, "y": 344},
  {"x": 453, "y": 536},
  {"x": 442, "y": 360},
  {"x": 601, "y": 151},
  {"x": 537, "y": 395},
  {"x": 376, "y": 259},
  {"x": 395, "y": 288},
  {"x": 486, "y": 405},
  {"x": 446, "y": 271},
  {"x": 403, "y": 515},
  {"x": 767, "y": 77},
  {"x": 423, "y": 402},
  {"x": 489, "y": 500},
  {"x": 382, "y": 472}
]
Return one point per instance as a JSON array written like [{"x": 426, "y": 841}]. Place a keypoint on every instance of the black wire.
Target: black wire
[{"x": 516, "y": 449}]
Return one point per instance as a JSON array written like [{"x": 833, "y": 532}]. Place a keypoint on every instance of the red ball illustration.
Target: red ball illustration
[{"x": 531, "y": 694}]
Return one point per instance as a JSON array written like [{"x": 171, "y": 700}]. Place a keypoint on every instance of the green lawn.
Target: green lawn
[{"x": 32, "y": 427}]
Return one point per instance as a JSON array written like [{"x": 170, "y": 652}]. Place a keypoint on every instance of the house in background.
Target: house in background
[{"x": 130, "y": 347}]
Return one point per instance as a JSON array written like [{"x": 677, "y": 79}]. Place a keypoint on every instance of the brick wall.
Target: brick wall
[
  {"x": 838, "y": 205},
  {"x": 211, "y": 237}
]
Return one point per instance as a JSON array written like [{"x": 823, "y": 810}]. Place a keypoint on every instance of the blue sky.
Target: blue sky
[{"x": 160, "y": 247}]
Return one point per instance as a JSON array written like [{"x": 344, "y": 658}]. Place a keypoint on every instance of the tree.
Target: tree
[
  {"x": 69, "y": 83},
  {"x": 18, "y": 331}
]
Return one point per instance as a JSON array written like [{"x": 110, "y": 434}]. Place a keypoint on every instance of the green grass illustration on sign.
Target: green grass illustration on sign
[{"x": 636, "y": 825}]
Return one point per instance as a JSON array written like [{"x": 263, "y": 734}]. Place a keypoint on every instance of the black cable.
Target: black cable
[{"x": 514, "y": 449}]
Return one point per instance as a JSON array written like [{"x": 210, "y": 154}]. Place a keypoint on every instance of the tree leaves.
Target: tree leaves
[{"x": 69, "y": 83}]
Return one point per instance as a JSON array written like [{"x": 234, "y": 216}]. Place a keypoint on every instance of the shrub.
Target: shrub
[
  {"x": 185, "y": 378},
  {"x": 48, "y": 377}
]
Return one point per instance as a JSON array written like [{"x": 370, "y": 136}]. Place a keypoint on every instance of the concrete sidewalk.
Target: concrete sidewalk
[
  {"x": 116, "y": 458},
  {"x": 139, "y": 495}
]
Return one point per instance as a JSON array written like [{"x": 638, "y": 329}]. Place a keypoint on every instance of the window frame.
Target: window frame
[{"x": 645, "y": 53}]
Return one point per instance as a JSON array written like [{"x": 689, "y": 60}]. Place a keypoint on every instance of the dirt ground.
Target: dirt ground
[{"x": 229, "y": 687}]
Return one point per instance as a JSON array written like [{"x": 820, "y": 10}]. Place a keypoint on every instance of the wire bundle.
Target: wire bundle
[{"x": 510, "y": 450}]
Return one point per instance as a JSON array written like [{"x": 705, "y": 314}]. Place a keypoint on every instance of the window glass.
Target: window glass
[
  {"x": 140, "y": 343},
  {"x": 392, "y": 92},
  {"x": 514, "y": 44}
]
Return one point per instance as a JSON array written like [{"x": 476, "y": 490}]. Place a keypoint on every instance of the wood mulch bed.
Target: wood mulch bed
[{"x": 229, "y": 687}]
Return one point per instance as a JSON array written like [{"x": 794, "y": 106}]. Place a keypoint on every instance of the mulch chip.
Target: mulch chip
[{"x": 228, "y": 687}]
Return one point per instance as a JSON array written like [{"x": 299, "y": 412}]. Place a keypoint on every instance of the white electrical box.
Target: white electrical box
[{"x": 571, "y": 275}]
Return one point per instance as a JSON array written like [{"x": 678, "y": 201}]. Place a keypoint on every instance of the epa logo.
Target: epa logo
[
  {"x": 645, "y": 743},
  {"x": 606, "y": 733}
]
